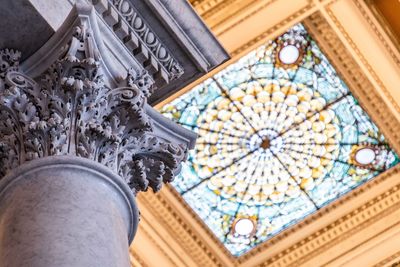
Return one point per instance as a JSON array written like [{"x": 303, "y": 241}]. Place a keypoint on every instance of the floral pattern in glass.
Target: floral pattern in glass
[{"x": 279, "y": 136}]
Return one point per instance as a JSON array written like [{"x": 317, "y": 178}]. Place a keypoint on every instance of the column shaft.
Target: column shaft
[{"x": 65, "y": 211}]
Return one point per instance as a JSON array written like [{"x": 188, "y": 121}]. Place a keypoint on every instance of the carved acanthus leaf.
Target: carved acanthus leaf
[
  {"x": 142, "y": 80},
  {"x": 69, "y": 110}
]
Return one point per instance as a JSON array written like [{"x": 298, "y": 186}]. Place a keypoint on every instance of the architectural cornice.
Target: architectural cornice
[
  {"x": 393, "y": 260},
  {"x": 188, "y": 39},
  {"x": 137, "y": 36},
  {"x": 165, "y": 38}
]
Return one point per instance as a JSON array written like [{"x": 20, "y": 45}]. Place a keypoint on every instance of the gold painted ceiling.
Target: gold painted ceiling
[{"x": 359, "y": 229}]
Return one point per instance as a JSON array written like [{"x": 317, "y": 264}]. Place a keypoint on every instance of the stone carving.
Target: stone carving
[
  {"x": 143, "y": 81},
  {"x": 139, "y": 26},
  {"x": 69, "y": 110}
]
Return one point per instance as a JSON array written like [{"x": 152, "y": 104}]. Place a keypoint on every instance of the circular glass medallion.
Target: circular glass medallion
[
  {"x": 289, "y": 54},
  {"x": 365, "y": 156},
  {"x": 266, "y": 147},
  {"x": 244, "y": 226}
]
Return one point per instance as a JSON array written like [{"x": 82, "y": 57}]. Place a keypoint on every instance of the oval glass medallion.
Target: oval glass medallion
[
  {"x": 365, "y": 156},
  {"x": 289, "y": 54},
  {"x": 244, "y": 227}
]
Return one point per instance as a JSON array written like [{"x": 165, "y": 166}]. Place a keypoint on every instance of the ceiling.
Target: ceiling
[
  {"x": 346, "y": 231},
  {"x": 279, "y": 137}
]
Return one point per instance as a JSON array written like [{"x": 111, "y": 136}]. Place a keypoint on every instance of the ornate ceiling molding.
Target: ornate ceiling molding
[
  {"x": 381, "y": 11},
  {"x": 330, "y": 13},
  {"x": 168, "y": 213},
  {"x": 332, "y": 225},
  {"x": 136, "y": 260},
  {"x": 341, "y": 229},
  {"x": 393, "y": 261},
  {"x": 253, "y": 15},
  {"x": 379, "y": 31},
  {"x": 203, "y": 6},
  {"x": 285, "y": 23},
  {"x": 248, "y": 15}
]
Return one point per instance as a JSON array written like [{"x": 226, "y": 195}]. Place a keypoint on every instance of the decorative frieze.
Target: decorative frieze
[
  {"x": 138, "y": 37},
  {"x": 137, "y": 23}
]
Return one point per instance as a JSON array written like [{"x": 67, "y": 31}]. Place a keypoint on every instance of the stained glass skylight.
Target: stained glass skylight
[{"x": 280, "y": 136}]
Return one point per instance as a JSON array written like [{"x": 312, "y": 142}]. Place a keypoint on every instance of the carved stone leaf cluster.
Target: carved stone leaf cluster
[{"x": 69, "y": 110}]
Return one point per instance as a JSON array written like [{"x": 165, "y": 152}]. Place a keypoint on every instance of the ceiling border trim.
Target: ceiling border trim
[
  {"x": 249, "y": 15},
  {"x": 136, "y": 260},
  {"x": 166, "y": 214},
  {"x": 211, "y": 9},
  {"x": 339, "y": 230},
  {"x": 390, "y": 261},
  {"x": 359, "y": 54},
  {"x": 203, "y": 6},
  {"x": 387, "y": 41},
  {"x": 292, "y": 19}
]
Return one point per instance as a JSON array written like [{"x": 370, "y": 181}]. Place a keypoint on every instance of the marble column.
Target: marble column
[{"x": 65, "y": 211}]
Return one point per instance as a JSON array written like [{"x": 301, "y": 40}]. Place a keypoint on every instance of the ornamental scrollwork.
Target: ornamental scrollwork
[{"x": 70, "y": 110}]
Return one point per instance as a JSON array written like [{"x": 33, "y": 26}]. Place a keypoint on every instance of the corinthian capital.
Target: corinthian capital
[{"x": 71, "y": 109}]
